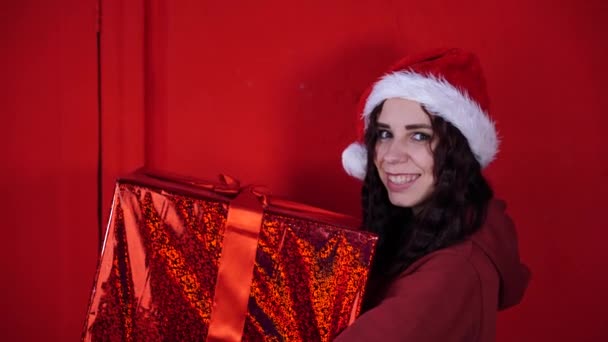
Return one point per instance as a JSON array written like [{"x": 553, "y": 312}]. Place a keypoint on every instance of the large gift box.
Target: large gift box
[{"x": 186, "y": 260}]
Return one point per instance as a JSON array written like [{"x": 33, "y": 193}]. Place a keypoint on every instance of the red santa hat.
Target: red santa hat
[{"x": 449, "y": 83}]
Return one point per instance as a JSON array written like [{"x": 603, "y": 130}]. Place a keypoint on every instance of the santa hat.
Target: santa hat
[{"x": 449, "y": 84}]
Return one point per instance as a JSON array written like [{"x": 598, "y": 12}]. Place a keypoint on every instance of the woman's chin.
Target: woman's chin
[
  {"x": 404, "y": 201},
  {"x": 407, "y": 200}
]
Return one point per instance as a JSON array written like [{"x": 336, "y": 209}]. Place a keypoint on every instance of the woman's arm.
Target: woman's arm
[{"x": 440, "y": 301}]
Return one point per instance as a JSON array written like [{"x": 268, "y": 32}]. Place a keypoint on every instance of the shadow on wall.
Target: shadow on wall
[{"x": 322, "y": 122}]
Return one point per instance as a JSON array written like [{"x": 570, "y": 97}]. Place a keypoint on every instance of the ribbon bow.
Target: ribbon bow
[
  {"x": 228, "y": 185},
  {"x": 237, "y": 260}
]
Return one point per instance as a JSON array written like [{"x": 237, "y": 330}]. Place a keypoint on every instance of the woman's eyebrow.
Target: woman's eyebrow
[
  {"x": 382, "y": 125},
  {"x": 418, "y": 126}
]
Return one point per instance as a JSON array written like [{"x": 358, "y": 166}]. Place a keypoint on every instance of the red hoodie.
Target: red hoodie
[{"x": 452, "y": 294}]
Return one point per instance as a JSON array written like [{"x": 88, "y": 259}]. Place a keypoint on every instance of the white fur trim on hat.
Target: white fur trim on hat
[
  {"x": 354, "y": 160},
  {"x": 442, "y": 99}
]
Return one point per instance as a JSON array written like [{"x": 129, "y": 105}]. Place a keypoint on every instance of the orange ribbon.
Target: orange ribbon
[{"x": 236, "y": 264}]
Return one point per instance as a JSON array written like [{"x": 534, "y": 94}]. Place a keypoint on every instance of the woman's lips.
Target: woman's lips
[{"x": 400, "y": 182}]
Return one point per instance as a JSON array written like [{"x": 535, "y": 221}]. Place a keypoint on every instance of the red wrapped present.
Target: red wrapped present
[{"x": 185, "y": 260}]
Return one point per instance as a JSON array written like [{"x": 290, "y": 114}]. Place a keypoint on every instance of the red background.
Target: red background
[{"x": 266, "y": 91}]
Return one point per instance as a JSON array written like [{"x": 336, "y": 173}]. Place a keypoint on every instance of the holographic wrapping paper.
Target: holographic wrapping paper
[{"x": 159, "y": 265}]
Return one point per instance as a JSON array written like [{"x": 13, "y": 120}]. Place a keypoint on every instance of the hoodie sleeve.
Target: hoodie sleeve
[
  {"x": 439, "y": 301},
  {"x": 498, "y": 240}
]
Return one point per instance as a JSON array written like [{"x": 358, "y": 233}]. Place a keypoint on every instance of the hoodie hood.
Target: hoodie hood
[{"x": 498, "y": 239}]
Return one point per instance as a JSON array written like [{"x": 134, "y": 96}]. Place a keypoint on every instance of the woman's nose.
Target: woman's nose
[{"x": 396, "y": 152}]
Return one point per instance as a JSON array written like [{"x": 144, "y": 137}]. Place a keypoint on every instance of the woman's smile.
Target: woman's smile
[{"x": 401, "y": 182}]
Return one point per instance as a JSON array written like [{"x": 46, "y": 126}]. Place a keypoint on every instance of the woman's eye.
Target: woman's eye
[
  {"x": 383, "y": 134},
  {"x": 419, "y": 136}
]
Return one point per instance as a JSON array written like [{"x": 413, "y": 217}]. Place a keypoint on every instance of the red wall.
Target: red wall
[
  {"x": 48, "y": 148},
  {"x": 267, "y": 92}
]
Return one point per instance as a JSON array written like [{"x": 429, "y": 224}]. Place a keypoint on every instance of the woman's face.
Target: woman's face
[{"x": 404, "y": 152}]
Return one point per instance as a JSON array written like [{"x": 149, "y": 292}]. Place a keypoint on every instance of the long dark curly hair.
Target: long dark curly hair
[{"x": 455, "y": 209}]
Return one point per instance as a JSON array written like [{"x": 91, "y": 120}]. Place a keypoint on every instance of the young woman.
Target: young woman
[{"x": 447, "y": 257}]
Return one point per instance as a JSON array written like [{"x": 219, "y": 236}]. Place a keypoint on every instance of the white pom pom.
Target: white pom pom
[{"x": 354, "y": 160}]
